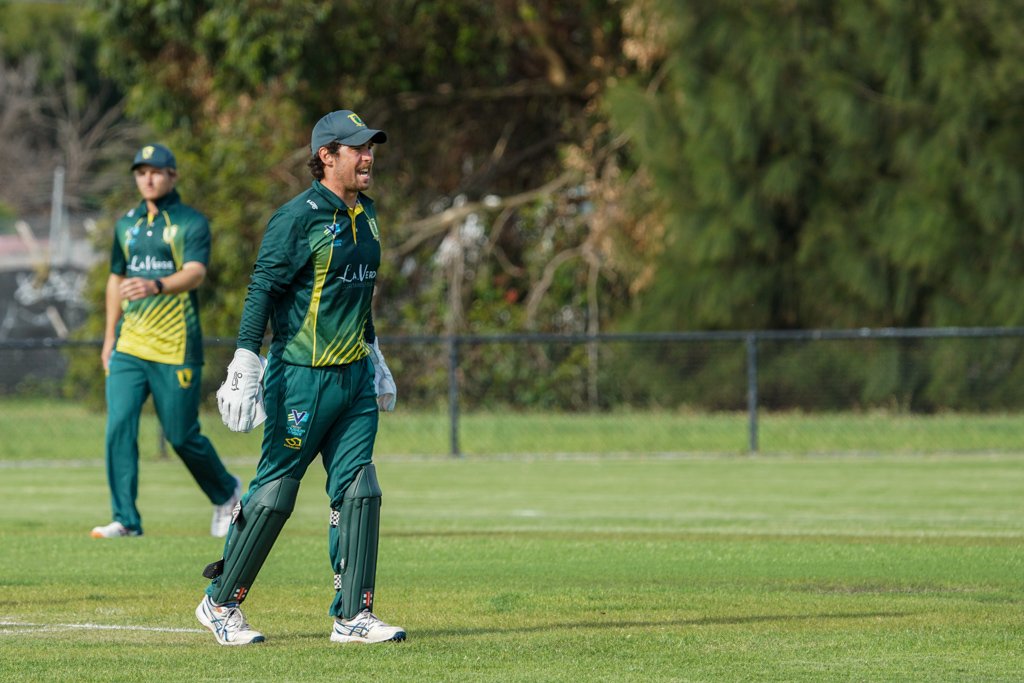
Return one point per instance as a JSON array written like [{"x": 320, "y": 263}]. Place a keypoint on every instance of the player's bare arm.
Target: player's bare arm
[{"x": 113, "y": 309}]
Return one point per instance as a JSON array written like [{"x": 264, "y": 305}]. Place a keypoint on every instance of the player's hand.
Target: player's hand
[
  {"x": 106, "y": 352},
  {"x": 383, "y": 382},
  {"x": 240, "y": 397},
  {"x": 135, "y": 288}
]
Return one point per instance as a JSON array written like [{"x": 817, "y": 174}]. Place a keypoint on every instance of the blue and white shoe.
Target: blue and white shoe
[
  {"x": 227, "y": 623},
  {"x": 365, "y": 627}
]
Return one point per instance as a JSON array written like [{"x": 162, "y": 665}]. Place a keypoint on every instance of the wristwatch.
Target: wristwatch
[{"x": 159, "y": 286}]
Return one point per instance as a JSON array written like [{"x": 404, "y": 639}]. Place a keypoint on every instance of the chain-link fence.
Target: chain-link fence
[{"x": 913, "y": 390}]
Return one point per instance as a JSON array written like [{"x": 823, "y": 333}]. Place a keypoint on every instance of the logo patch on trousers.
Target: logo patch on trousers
[
  {"x": 184, "y": 377},
  {"x": 293, "y": 442},
  {"x": 295, "y": 420}
]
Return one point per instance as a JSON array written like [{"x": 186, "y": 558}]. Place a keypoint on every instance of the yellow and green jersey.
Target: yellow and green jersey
[
  {"x": 313, "y": 280},
  {"x": 163, "y": 328}
]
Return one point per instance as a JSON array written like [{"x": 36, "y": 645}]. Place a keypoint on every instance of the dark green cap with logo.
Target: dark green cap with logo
[
  {"x": 347, "y": 128},
  {"x": 156, "y": 156}
]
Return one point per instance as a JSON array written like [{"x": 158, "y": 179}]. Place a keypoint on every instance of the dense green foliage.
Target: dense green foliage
[
  {"x": 478, "y": 100},
  {"x": 637, "y": 165},
  {"x": 836, "y": 164}
]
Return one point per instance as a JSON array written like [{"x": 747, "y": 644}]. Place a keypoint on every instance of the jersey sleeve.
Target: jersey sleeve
[
  {"x": 118, "y": 263},
  {"x": 197, "y": 241},
  {"x": 283, "y": 252}
]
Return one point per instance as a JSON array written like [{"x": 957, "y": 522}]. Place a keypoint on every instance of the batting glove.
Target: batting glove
[
  {"x": 383, "y": 382},
  {"x": 240, "y": 397}
]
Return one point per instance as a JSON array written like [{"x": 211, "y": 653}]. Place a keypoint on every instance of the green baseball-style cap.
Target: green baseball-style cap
[
  {"x": 156, "y": 156},
  {"x": 347, "y": 128}
]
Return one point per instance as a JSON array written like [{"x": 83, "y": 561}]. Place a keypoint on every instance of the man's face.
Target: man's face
[
  {"x": 353, "y": 170},
  {"x": 154, "y": 183}
]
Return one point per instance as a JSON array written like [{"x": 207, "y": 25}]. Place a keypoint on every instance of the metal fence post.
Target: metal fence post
[
  {"x": 453, "y": 393},
  {"x": 752, "y": 390}
]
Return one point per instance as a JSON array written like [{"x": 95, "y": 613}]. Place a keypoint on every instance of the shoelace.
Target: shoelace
[
  {"x": 365, "y": 619},
  {"x": 234, "y": 619}
]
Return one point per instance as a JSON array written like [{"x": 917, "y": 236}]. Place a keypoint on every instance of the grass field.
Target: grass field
[
  {"x": 550, "y": 568},
  {"x": 77, "y": 432}
]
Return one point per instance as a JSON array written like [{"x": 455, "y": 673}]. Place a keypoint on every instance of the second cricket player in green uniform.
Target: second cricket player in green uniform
[
  {"x": 153, "y": 343},
  {"x": 322, "y": 386}
]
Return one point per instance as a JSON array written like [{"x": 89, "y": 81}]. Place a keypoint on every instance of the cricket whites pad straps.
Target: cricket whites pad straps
[
  {"x": 253, "y": 532},
  {"x": 354, "y": 533}
]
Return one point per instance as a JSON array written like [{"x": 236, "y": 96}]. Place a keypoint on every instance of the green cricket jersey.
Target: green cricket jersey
[
  {"x": 313, "y": 280},
  {"x": 164, "y": 327}
]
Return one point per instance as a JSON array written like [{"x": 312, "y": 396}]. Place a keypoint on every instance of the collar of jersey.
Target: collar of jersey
[
  {"x": 334, "y": 200},
  {"x": 163, "y": 203}
]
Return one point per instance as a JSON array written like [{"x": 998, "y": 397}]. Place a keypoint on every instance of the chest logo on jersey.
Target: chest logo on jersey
[
  {"x": 360, "y": 273},
  {"x": 148, "y": 263},
  {"x": 374, "y": 230},
  {"x": 333, "y": 229},
  {"x": 170, "y": 232}
]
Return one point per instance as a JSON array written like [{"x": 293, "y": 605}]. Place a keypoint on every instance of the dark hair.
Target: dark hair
[{"x": 316, "y": 167}]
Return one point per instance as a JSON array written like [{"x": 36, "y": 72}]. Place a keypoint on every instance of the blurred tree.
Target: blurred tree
[
  {"x": 836, "y": 164},
  {"x": 56, "y": 110},
  {"x": 495, "y": 142}
]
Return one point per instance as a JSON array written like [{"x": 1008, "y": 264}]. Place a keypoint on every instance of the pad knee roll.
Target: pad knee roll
[
  {"x": 354, "y": 533},
  {"x": 254, "y": 530}
]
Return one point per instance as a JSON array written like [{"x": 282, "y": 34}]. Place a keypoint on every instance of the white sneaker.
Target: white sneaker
[
  {"x": 223, "y": 513},
  {"x": 113, "y": 530},
  {"x": 365, "y": 627},
  {"x": 227, "y": 623}
]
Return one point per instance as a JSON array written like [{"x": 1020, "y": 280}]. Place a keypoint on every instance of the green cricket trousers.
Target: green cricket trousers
[
  {"x": 328, "y": 411},
  {"x": 176, "y": 392}
]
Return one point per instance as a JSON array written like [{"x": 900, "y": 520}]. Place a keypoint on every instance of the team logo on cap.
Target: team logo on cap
[
  {"x": 147, "y": 152},
  {"x": 354, "y": 118}
]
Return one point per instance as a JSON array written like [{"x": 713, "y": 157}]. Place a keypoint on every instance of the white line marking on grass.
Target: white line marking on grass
[
  {"x": 47, "y": 464},
  {"x": 30, "y": 627}
]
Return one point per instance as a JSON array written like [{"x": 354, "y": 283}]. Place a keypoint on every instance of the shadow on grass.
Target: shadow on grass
[{"x": 619, "y": 624}]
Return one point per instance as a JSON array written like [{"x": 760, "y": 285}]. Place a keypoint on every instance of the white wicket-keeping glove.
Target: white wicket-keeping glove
[
  {"x": 240, "y": 397},
  {"x": 383, "y": 382}
]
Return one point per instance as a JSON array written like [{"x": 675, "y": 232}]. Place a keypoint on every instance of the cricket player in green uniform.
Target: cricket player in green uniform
[
  {"x": 324, "y": 382},
  {"x": 152, "y": 344}
]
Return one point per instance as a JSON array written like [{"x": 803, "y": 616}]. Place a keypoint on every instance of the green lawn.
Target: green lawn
[
  {"x": 642, "y": 568},
  {"x": 73, "y": 432}
]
